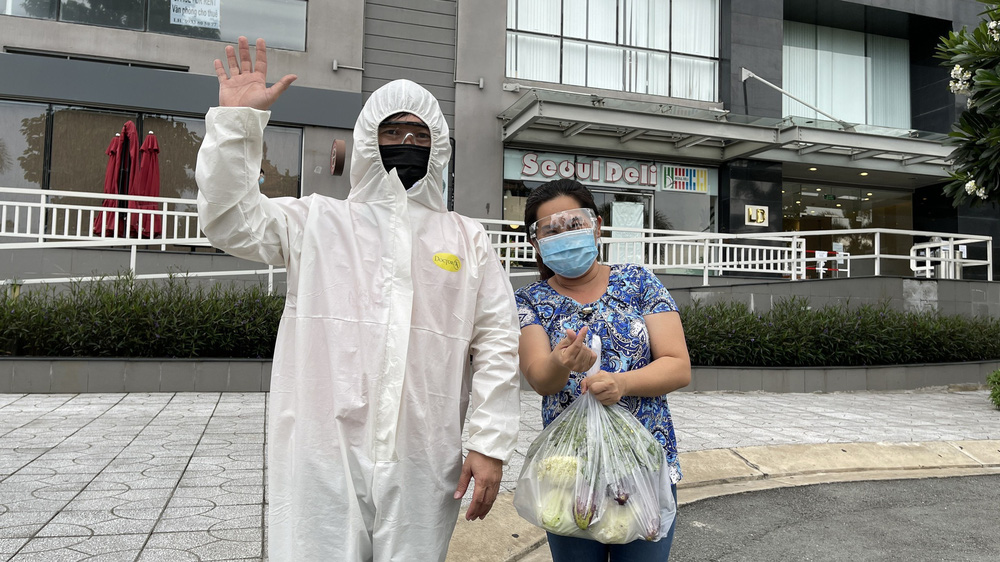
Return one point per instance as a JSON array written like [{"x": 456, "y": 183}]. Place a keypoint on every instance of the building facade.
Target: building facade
[{"x": 672, "y": 111}]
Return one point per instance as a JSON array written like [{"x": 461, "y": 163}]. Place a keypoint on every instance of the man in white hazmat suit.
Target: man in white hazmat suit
[{"x": 388, "y": 296}]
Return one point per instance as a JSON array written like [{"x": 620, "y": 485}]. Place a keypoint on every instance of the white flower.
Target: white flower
[
  {"x": 970, "y": 187},
  {"x": 961, "y": 82},
  {"x": 960, "y": 74},
  {"x": 994, "y": 30},
  {"x": 981, "y": 193},
  {"x": 968, "y": 103}
]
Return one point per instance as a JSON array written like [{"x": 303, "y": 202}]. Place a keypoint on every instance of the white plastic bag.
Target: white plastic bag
[{"x": 595, "y": 472}]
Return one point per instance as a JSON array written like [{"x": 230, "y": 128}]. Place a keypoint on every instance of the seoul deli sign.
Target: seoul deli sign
[{"x": 609, "y": 172}]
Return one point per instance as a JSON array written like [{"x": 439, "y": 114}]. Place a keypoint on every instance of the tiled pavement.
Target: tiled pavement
[{"x": 180, "y": 477}]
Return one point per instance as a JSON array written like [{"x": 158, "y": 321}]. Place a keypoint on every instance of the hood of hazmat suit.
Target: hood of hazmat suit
[{"x": 388, "y": 296}]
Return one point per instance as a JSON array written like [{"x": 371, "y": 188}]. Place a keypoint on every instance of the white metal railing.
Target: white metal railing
[
  {"x": 34, "y": 219},
  {"x": 44, "y": 216}
]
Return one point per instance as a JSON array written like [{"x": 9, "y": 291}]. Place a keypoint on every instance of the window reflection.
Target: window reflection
[
  {"x": 22, "y": 133},
  {"x": 282, "y": 22},
  {"x": 77, "y": 161},
  {"x": 125, "y": 14}
]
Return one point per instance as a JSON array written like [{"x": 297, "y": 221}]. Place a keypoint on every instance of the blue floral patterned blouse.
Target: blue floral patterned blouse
[{"x": 617, "y": 317}]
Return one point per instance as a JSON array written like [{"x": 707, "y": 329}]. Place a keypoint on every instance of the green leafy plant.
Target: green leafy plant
[
  {"x": 993, "y": 381},
  {"x": 792, "y": 334},
  {"x": 974, "y": 57},
  {"x": 121, "y": 317}
]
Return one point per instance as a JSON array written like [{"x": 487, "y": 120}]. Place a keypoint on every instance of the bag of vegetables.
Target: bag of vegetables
[{"x": 595, "y": 472}]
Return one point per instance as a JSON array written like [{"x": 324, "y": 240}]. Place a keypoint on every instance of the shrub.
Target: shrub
[
  {"x": 792, "y": 334},
  {"x": 993, "y": 381},
  {"x": 123, "y": 318}
]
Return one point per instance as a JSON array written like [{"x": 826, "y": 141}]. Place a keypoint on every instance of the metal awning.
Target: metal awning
[{"x": 567, "y": 121}]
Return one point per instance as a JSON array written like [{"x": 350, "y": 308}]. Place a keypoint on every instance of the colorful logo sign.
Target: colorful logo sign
[{"x": 681, "y": 178}]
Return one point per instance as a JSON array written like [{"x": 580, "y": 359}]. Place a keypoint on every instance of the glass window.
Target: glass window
[
  {"x": 589, "y": 50},
  {"x": 282, "y": 161},
  {"x": 22, "y": 159},
  {"x": 126, "y": 14},
  {"x": 696, "y": 28},
  {"x": 282, "y": 22},
  {"x": 44, "y": 9},
  {"x": 80, "y": 139},
  {"x": 533, "y": 57},
  {"x": 22, "y": 144},
  {"x": 856, "y": 77}
]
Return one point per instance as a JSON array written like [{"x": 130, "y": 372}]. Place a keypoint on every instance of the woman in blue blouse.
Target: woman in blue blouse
[{"x": 643, "y": 352}]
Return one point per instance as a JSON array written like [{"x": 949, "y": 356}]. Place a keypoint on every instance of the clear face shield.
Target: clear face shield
[{"x": 563, "y": 221}]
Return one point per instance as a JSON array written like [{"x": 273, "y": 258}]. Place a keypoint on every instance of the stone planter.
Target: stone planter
[
  {"x": 71, "y": 376},
  {"x": 839, "y": 379}
]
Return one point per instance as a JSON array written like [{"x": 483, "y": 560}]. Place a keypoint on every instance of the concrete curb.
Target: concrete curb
[{"x": 505, "y": 536}]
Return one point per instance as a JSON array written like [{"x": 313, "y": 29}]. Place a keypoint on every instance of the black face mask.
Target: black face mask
[{"x": 409, "y": 160}]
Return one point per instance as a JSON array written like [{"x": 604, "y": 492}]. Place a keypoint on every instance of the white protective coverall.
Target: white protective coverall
[{"x": 388, "y": 296}]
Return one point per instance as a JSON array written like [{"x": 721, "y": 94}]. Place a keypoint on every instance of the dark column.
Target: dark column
[
  {"x": 751, "y": 37},
  {"x": 749, "y": 182}
]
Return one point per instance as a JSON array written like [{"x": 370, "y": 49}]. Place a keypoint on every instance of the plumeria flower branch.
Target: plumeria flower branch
[{"x": 974, "y": 57}]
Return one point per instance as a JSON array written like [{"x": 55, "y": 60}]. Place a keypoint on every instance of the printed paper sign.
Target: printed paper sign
[{"x": 195, "y": 13}]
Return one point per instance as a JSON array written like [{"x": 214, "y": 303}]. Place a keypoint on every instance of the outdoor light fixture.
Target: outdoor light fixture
[
  {"x": 812, "y": 169},
  {"x": 863, "y": 174}
]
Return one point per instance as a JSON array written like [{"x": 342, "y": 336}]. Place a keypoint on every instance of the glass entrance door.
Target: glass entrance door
[{"x": 840, "y": 208}]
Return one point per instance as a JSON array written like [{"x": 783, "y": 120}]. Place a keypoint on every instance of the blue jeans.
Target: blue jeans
[{"x": 573, "y": 549}]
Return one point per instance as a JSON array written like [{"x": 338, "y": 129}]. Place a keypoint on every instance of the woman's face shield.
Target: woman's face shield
[{"x": 563, "y": 221}]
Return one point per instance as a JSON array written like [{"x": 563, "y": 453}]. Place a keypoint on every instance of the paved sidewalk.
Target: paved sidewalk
[{"x": 180, "y": 477}]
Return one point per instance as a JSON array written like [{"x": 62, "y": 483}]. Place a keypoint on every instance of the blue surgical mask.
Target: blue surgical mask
[
  {"x": 260, "y": 181},
  {"x": 570, "y": 253}
]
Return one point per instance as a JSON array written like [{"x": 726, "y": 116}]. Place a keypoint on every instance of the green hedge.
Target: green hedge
[
  {"x": 792, "y": 334},
  {"x": 123, "y": 318}
]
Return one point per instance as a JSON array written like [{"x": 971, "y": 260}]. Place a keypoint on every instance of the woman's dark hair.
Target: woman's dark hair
[{"x": 547, "y": 192}]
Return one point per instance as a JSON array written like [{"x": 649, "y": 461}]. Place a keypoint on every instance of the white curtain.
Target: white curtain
[
  {"x": 604, "y": 67},
  {"x": 855, "y": 77},
  {"x": 645, "y": 23},
  {"x": 696, "y": 27},
  {"x": 626, "y": 214},
  {"x": 840, "y": 73},
  {"x": 574, "y": 19},
  {"x": 692, "y": 78},
  {"x": 532, "y": 58},
  {"x": 798, "y": 68},
  {"x": 574, "y": 63},
  {"x": 889, "y": 83},
  {"x": 541, "y": 16},
  {"x": 601, "y": 18}
]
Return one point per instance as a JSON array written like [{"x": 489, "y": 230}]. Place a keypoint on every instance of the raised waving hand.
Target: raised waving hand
[{"x": 245, "y": 84}]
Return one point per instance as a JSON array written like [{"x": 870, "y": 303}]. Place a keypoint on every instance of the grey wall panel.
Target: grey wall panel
[
  {"x": 416, "y": 17},
  {"x": 404, "y": 45},
  {"x": 408, "y": 60},
  {"x": 414, "y": 40},
  {"x": 404, "y": 29},
  {"x": 106, "y": 85},
  {"x": 434, "y": 6}
]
